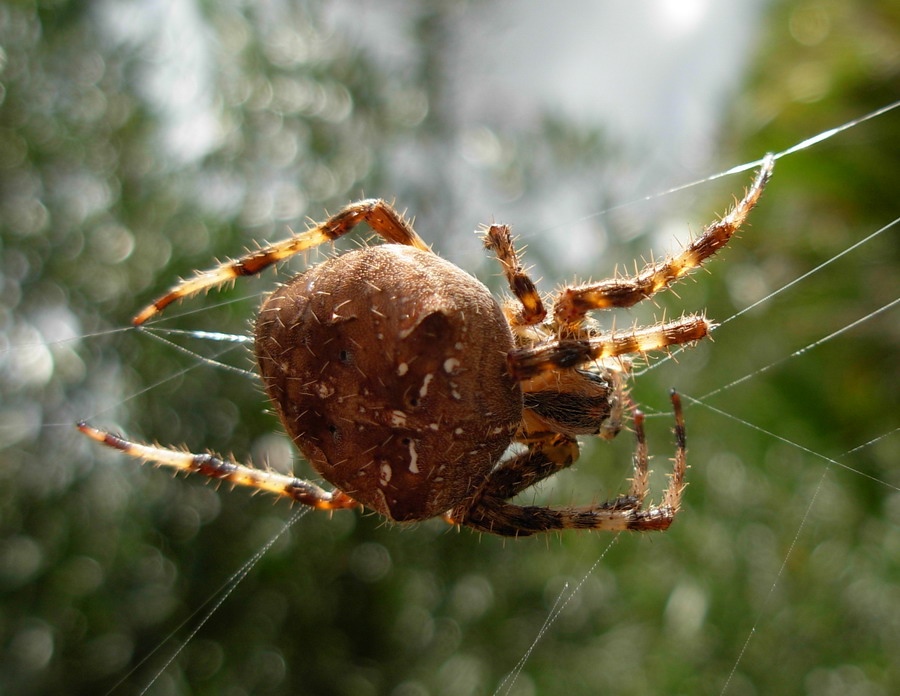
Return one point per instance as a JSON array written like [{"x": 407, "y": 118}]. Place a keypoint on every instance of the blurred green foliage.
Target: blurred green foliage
[{"x": 121, "y": 169}]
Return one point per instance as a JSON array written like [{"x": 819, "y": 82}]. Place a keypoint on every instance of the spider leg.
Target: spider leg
[
  {"x": 524, "y": 363},
  {"x": 499, "y": 239},
  {"x": 380, "y": 216},
  {"x": 572, "y": 304},
  {"x": 216, "y": 467},
  {"x": 491, "y": 513},
  {"x": 547, "y": 454}
]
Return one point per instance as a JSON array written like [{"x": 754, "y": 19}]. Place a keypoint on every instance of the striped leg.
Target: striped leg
[
  {"x": 525, "y": 363},
  {"x": 549, "y": 453},
  {"x": 546, "y": 455},
  {"x": 380, "y": 216},
  {"x": 493, "y": 514},
  {"x": 573, "y": 303},
  {"x": 499, "y": 239},
  {"x": 216, "y": 467}
]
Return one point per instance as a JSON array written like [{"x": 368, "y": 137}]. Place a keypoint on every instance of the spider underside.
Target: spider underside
[{"x": 403, "y": 382}]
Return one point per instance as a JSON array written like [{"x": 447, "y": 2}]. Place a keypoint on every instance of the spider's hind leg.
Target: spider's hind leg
[
  {"x": 217, "y": 467},
  {"x": 378, "y": 214}
]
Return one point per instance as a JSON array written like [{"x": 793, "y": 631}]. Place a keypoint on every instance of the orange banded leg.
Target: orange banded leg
[
  {"x": 573, "y": 303},
  {"x": 380, "y": 216},
  {"x": 672, "y": 497},
  {"x": 495, "y": 515},
  {"x": 641, "y": 480},
  {"x": 524, "y": 363},
  {"x": 216, "y": 467},
  {"x": 499, "y": 239},
  {"x": 547, "y": 454}
]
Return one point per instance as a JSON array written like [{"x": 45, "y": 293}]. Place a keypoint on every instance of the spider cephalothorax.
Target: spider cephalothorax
[{"x": 403, "y": 381}]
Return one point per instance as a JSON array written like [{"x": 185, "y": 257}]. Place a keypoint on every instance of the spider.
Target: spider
[{"x": 403, "y": 381}]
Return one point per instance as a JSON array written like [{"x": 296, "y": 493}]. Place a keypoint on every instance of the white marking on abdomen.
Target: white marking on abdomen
[
  {"x": 423, "y": 390},
  {"x": 413, "y": 458}
]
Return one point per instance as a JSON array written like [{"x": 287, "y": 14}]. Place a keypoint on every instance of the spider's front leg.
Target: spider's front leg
[
  {"x": 491, "y": 513},
  {"x": 525, "y": 363},
  {"x": 498, "y": 238},
  {"x": 217, "y": 467},
  {"x": 573, "y": 304}
]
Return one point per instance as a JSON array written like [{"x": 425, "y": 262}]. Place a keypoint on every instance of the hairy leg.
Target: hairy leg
[
  {"x": 216, "y": 467},
  {"x": 525, "y": 363},
  {"x": 380, "y": 216},
  {"x": 499, "y": 239},
  {"x": 494, "y": 515},
  {"x": 573, "y": 303}
]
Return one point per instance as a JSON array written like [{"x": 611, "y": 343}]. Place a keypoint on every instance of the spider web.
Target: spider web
[{"x": 222, "y": 346}]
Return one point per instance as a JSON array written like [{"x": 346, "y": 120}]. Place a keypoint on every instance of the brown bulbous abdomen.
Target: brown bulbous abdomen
[{"x": 388, "y": 368}]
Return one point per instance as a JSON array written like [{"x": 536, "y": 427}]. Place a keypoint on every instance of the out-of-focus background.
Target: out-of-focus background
[{"x": 140, "y": 140}]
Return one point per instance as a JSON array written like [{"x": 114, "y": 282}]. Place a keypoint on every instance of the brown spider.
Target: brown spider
[{"x": 403, "y": 382}]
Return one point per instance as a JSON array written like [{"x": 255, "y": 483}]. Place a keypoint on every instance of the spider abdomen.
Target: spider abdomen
[{"x": 387, "y": 366}]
